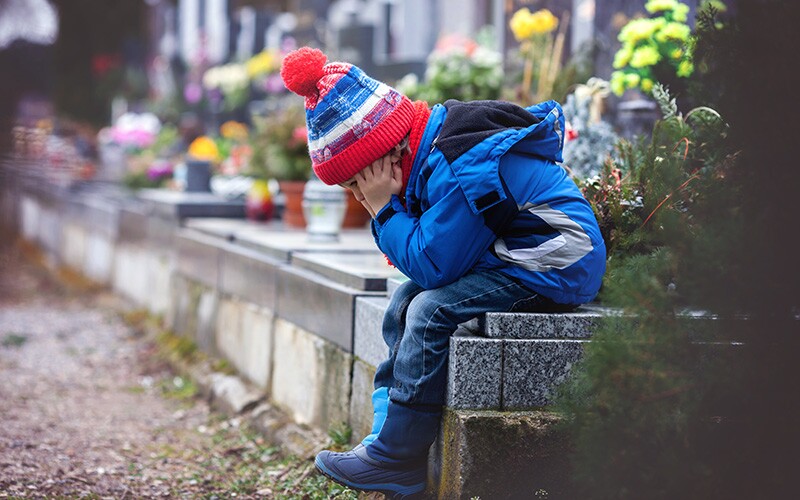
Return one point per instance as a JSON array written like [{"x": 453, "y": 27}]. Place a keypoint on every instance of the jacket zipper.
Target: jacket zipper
[{"x": 433, "y": 144}]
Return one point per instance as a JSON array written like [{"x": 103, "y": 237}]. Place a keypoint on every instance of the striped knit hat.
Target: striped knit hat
[{"x": 352, "y": 119}]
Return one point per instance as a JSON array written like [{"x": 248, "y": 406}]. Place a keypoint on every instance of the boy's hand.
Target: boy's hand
[{"x": 378, "y": 182}]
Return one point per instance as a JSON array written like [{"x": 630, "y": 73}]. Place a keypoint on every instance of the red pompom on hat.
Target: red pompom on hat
[
  {"x": 352, "y": 119},
  {"x": 302, "y": 69}
]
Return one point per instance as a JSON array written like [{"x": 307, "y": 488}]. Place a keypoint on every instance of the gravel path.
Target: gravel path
[{"x": 88, "y": 410}]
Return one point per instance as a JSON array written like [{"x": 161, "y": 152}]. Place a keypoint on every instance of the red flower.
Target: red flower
[{"x": 572, "y": 134}]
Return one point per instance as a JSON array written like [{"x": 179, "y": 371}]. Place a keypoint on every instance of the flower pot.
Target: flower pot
[
  {"x": 293, "y": 211},
  {"x": 324, "y": 209}
]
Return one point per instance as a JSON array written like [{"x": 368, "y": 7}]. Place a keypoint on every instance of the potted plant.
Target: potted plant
[{"x": 280, "y": 152}]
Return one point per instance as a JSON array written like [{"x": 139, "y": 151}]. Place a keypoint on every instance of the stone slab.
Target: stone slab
[
  {"x": 362, "y": 270},
  {"x": 318, "y": 305},
  {"x": 179, "y": 205},
  {"x": 311, "y": 377},
  {"x": 198, "y": 257},
  {"x": 281, "y": 244},
  {"x": 133, "y": 223},
  {"x": 490, "y": 454},
  {"x": 249, "y": 275},
  {"x": 475, "y": 368},
  {"x": 368, "y": 344},
  {"x": 533, "y": 368},
  {"x": 225, "y": 228},
  {"x": 244, "y": 337},
  {"x": 99, "y": 259},
  {"x": 578, "y": 325}
]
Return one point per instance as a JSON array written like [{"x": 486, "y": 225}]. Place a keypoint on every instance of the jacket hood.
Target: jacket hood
[
  {"x": 536, "y": 130},
  {"x": 473, "y": 137}
]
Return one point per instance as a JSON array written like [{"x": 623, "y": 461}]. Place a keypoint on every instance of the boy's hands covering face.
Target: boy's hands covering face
[{"x": 375, "y": 184}]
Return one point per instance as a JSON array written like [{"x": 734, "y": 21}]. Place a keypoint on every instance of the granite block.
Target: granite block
[
  {"x": 282, "y": 243},
  {"x": 179, "y": 205},
  {"x": 249, "y": 275},
  {"x": 532, "y": 368},
  {"x": 577, "y": 325},
  {"x": 225, "y": 228},
  {"x": 368, "y": 344},
  {"x": 311, "y": 377},
  {"x": 361, "y": 410},
  {"x": 509, "y": 455},
  {"x": 362, "y": 270},
  {"x": 474, "y": 375},
  {"x": 198, "y": 257},
  {"x": 318, "y": 305}
]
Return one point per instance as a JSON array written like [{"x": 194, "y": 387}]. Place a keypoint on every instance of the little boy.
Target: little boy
[{"x": 469, "y": 203}]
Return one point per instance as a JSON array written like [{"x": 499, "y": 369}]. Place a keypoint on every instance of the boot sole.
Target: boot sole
[{"x": 391, "y": 490}]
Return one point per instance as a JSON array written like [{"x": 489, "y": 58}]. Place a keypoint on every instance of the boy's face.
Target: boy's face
[{"x": 394, "y": 155}]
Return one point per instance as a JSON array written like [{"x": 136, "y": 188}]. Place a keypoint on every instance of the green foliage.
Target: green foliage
[
  {"x": 458, "y": 68},
  {"x": 639, "y": 402},
  {"x": 653, "y": 49},
  {"x": 280, "y": 147},
  {"x": 340, "y": 433}
]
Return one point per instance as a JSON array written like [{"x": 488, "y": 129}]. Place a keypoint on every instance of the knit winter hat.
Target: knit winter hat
[{"x": 352, "y": 119}]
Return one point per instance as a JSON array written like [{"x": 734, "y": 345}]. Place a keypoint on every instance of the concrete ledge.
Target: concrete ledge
[
  {"x": 198, "y": 257},
  {"x": 318, "y": 305},
  {"x": 249, "y": 275}
]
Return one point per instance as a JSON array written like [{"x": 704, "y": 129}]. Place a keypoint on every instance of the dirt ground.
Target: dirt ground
[{"x": 89, "y": 410}]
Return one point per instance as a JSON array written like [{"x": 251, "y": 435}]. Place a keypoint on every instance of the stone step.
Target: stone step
[{"x": 507, "y": 374}]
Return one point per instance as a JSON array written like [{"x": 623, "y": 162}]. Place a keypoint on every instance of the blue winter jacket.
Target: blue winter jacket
[{"x": 485, "y": 192}]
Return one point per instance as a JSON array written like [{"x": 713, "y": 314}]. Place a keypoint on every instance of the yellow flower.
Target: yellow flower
[
  {"x": 233, "y": 130},
  {"x": 521, "y": 24},
  {"x": 544, "y": 21},
  {"x": 645, "y": 56},
  {"x": 261, "y": 63},
  {"x": 685, "y": 69},
  {"x": 617, "y": 82},
  {"x": 632, "y": 80},
  {"x": 676, "y": 54},
  {"x": 654, "y": 6},
  {"x": 525, "y": 24},
  {"x": 647, "y": 85},
  {"x": 639, "y": 30},
  {"x": 623, "y": 56},
  {"x": 673, "y": 31},
  {"x": 204, "y": 148}
]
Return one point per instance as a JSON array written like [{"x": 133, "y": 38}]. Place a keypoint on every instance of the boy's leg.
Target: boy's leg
[
  {"x": 393, "y": 324},
  {"x": 420, "y": 367},
  {"x": 396, "y": 461}
]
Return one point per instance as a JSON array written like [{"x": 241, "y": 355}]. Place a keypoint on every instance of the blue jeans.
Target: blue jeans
[{"x": 418, "y": 324}]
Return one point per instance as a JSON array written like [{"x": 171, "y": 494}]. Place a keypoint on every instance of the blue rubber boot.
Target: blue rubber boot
[
  {"x": 396, "y": 462},
  {"x": 380, "y": 404}
]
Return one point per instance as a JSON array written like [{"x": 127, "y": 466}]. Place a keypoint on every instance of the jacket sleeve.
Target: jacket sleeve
[{"x": 445, "y": 242}]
